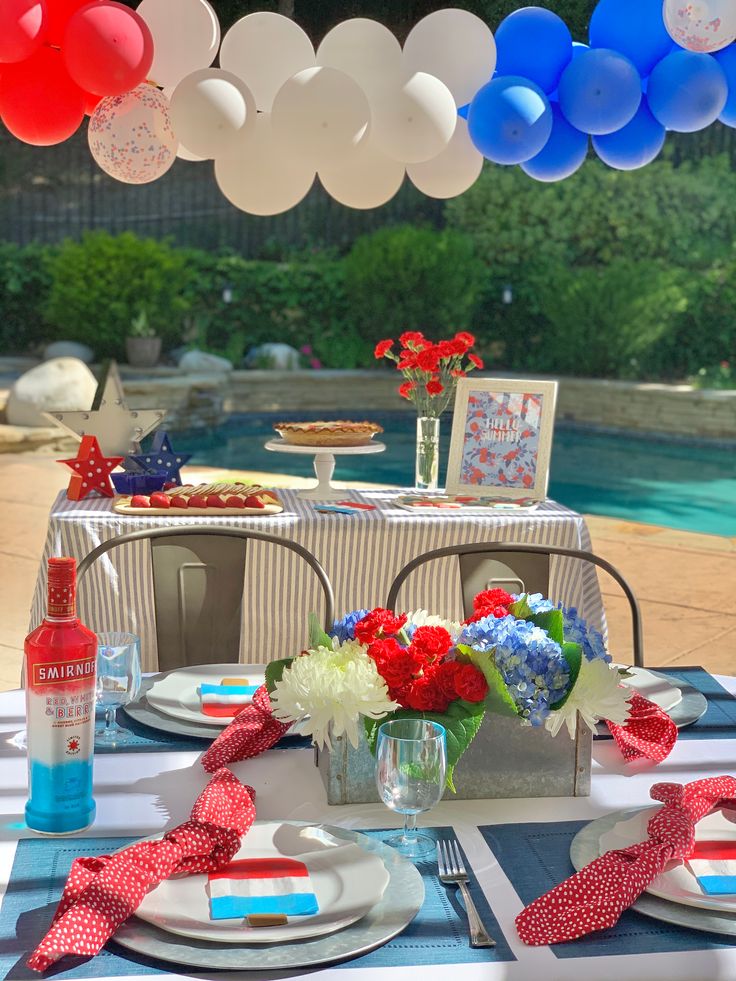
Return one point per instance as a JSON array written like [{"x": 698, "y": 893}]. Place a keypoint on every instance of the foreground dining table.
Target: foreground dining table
[{"x": 512, "y": 846}]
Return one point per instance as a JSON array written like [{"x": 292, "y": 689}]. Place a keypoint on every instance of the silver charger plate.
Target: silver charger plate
[
  {"x": 585, "y": 848},
  {"x": 692, "y": 707},
  {"x": 400, "y": 903}
]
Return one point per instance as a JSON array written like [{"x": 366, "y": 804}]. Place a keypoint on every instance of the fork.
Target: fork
[{"x": 451, "y": 869}]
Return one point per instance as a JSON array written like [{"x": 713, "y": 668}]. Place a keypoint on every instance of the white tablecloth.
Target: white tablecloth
[
  {"x": 149, "y": 792},
  {"x": 361, "y": 554}
]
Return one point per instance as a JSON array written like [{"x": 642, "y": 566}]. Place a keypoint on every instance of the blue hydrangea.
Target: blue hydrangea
[
  {"x": 580, "y": 632},
  {"x": 531, "y": 664},
  {"x": 345, "y": 629},
  {"x": 537, "y": 602}
]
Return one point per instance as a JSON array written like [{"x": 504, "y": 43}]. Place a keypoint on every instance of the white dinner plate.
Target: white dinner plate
[
  {"x": 653, "y": 687},
  {"x": 347, "y": 880},
  {"x": 176, "y": 693},
  {"x": 677, "y": 883}
]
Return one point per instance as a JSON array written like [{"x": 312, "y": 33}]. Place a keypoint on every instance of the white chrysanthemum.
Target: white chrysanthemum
[
  {"x": 596, "y": 695},
  {"x": 332, "y": 688},
  {"x": 420, "y": 618}
]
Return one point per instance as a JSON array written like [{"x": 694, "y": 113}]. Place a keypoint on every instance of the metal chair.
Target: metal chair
[
  {"x": 198, "y": 576},
  {"x": 517, "y": 568}
]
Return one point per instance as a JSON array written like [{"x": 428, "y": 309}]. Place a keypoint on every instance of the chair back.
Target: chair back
[
  {"x": 198, "y": 581},
  {"x": 518, "y": 568}
]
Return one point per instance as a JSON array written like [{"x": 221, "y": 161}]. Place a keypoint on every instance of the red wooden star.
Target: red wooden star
[{"x": 91, "y": 470}]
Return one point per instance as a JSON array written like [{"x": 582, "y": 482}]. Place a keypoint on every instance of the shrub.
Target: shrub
[
  {"x": 101, "y": 284},
  {"x": 24, "y": 286},
  {"x": 404, "y": 278},
  {"x": 707, "y": 335}
]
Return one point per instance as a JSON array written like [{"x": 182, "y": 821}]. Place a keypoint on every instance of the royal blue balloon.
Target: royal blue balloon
[
  {"x": 599, "y": 91},
  {"x": 634, "y": 146},
  {"x": 635, "y": 28},
  {"x": 563, "y": 154},
  {"x": 687, "y": 91},
  {"x": 510, "y": 120},
  {"x": 535, "y": 44},
  {"x": 578, "y": 47},
  {"x": 726, "y": 58}
]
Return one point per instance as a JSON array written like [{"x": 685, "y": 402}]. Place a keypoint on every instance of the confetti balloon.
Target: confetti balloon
[
  {"x": 23, "y": 28},
  {"x": 365, "y": 178},
  {"x": 452, "y": 171},
  {"x": 687, "y": 91},
  {"x": 209, "y": 110},
  {"x": 25, "y": 106},
  {"x": 107, "y": 48},
  {"x": 510, "y": 120},
  {"x": 131, "y": 137},
  {"x": 701, "y": 25},
  {"x": 414, "y": 121},
  {"x": 192, "y": 45}
]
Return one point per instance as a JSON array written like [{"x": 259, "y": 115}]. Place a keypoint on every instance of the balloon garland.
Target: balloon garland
[{"x": 360, "y": 113}]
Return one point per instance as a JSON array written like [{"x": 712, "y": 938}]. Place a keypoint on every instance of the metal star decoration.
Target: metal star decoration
[
  {"x": 118, "y": 429},
  {"x": 161, "y": 456},
  {"x": 91, "y": 470}
]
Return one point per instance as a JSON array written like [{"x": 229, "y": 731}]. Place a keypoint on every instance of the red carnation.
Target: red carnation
[
  {"x": 434, "y": 387},
  {"x": 396, "y": 665},
  {"x": 492, "y": 597},
  {"x": 431, "y": 643},
  {"x": 464, "y": 338},
  {"x": 382, "y": 348},
  {"x": 406, "y": 388},
  {"x": 475, "y": 360},
  {"x": 446, "y": 349},
  {"x": 445, "y": 678},
  {"x": 457, "y": 373},
  {"x": 428, "y": 359},
  {"x": 407, "y": 361},
  {"x": 378, "y": 621},
  {"x": 499, "y": 612},
  {"x": 424, "y": 695},
  {"x": 411, "y": 337},
  {"x": 470, "y": 683}
]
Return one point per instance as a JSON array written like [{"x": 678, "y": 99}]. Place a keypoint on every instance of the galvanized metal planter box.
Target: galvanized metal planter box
[{"x": 504, "y": 760}]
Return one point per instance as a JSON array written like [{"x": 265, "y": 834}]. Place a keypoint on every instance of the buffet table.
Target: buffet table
[
  {"x": 513, "y": 848},
  {"x": 361, "y": 554}
]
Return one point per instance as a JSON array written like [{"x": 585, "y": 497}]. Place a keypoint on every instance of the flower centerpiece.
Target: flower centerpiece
[
  {"x": 519, "y": 656},
  {"x": 430, "y": 374}
]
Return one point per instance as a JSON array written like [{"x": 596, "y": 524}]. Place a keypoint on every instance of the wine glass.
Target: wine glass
[
  {"x": 411, "y": 763},
  {"x": 118, "y": 681}
]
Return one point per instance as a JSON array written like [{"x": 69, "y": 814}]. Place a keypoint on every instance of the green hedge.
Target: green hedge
[{"x": 25, "y": 281}]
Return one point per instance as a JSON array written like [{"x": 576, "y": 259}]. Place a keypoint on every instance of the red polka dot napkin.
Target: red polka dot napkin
[
  {"x": 648, "y": 732},
  {"x": 595, "y": 897},
  {"x": 101, "y": 893},
  {"x": 252, "y": 731}
]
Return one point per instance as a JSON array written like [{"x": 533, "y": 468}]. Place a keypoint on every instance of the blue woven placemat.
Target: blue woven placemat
[
  {"x": 719, "y": 721},
  {"x": 438, "y": 934},
  {"x": 536, "y": 857}
]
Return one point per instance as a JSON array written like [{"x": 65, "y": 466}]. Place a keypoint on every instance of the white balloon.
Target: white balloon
[
  {"x": 209, "y": 110},
  {"x": 451, "y": 172},
  {"x": 258, "y": 177},
  {"x": 184, "y": 154},
  {"x": 266, "y": 49},
  {"x": 186, "y": 36},
  {"x": 131, "y": 137},
  {"x": 363, "y": 49},
  {"x": 414, "y": 121},
  {"x": 701, "y": 25},
  {"x": 320, "y": 113},
  {"x": 366, "y": 178},
  {"x": 455, "y": 46}
]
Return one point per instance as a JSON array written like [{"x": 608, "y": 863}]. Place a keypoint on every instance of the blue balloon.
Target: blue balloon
[
  {"x": 578, "y": 47},
  {"x": 510, "y": 120},
  {"x": 535, "y": 44},
  {"x": 563, "y": 154},
  {"x": 726, "y": 58},
  {"x": 687, "y": 91},
  {"x": 599, "y": 91},
  {"x": 633, "y": 146},
  {"x": 635, "y": 28}
]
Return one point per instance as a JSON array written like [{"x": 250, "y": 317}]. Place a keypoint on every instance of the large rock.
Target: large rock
[
  {"x": 69, "y": 349},
  {"x": 59, "y": 384},
  {"x": 202, "y": 363},
  {"x": 277, "y": 357}
]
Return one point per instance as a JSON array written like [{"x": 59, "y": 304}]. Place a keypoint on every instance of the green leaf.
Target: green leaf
[
  {"x": 521, "y": 608},
  {"x": 552, "y": 621},
  {"x": 317, "y": 636},
  {"x": 274, "y": 670},
  {"x": 573, "y": 654},
  {"x": 498, "y": 699}
]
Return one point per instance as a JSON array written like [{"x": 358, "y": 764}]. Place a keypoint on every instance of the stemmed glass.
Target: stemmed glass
[
  {"x": 411, "y": 763},
  {"x": 118, "y": 681}
]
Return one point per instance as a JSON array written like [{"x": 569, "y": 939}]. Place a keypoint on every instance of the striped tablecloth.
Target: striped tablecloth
[{"x": 361, "y": 554}]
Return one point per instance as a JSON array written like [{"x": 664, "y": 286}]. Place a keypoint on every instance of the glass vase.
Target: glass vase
[{"x": 428, "y": 453}]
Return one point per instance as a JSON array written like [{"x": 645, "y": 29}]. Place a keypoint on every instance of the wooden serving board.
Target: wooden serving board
[{"x": 272, "y": 504}]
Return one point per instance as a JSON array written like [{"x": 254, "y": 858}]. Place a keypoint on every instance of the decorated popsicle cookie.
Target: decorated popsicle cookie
[{"x": 225, "y": 700}]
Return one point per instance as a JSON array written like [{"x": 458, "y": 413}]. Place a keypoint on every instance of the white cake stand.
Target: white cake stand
[{"x": 324, "y": 465}]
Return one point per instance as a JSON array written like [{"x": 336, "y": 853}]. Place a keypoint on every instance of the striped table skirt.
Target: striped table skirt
[{"x": 361, "y": 554}]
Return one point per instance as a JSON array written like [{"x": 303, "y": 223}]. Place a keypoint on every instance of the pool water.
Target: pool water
[{"x": 677, "y": 484}]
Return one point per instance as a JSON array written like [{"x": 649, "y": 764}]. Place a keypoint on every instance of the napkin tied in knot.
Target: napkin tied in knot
[{"x": 252, "y": 731}]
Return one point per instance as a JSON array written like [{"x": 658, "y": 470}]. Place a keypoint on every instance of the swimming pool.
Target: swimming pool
[{"x": 684, "y": 485}]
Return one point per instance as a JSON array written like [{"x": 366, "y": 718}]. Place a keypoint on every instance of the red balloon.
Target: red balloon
[
  {"x": 91, "y": 102},
  {"x": 39, "y": 103},
  {"x": 23, "y": 27},
  {"x": 107, "y": 48},
  {"x": 59, "y": 13}
]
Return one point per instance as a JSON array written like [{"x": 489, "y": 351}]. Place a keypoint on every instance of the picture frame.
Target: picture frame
[{"x": 502, "y": 438}]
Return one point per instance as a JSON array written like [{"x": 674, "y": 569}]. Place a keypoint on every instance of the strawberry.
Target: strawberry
[
  {"x": 253, "y": 502},
  {"x": 169, "y": 484},
  {"x": 197, "y": 501},
  {"x": 234, "y": 502},
  {"x": 140, "y": 501},
  {"x": 160, "y": 501},
  {"x": 215, "y": 501},
  {"x": 177, "y": 501}
]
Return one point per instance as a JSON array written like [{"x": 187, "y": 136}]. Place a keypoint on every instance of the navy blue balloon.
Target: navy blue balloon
[
  {"x": 726, "y": 58},
  {"x": 563, "y": 154},
  {"x": 510, "y": 120},
  {"x": 535, "y": 44},
  {"x": 599, "y": 91},
  {"x": 687, "y": 91},
  {"x": 634, "y": 146},
  {"x": 633, "y": 27}
]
